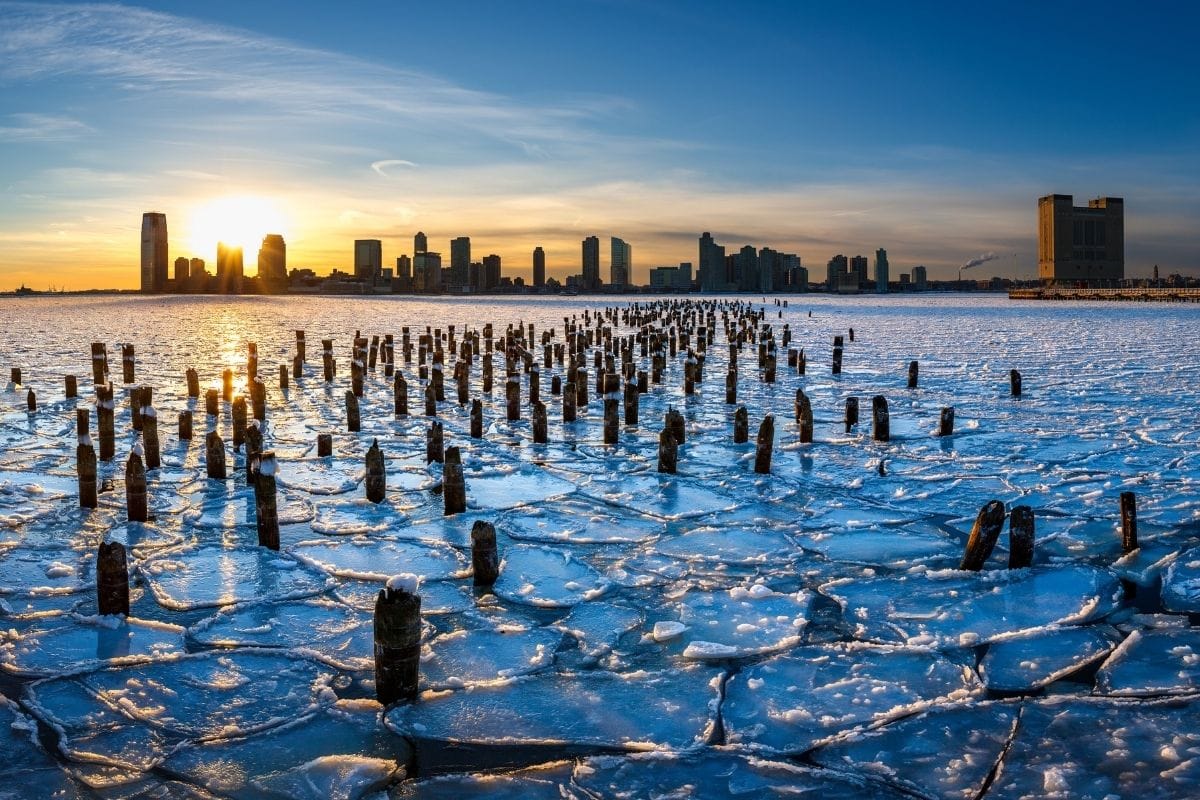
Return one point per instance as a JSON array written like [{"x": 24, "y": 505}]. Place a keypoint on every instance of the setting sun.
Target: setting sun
[{"x": 239, "y": 220}]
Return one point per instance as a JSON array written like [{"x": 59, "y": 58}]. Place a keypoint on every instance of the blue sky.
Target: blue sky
[{"x": 926, "y": 129}]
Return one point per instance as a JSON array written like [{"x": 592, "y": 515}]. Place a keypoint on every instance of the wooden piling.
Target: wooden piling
[
  {"x": 71, "y": 388},
  {"x": 1129, "y": 526},
  {"x": 983, "y": 537},
  {"x": 912, "y": 374},
  {"x": 135, "y": 487},
  {"x": 675, "y": 424},
  {"x": 741, "y": 425},
  {"x": 512, "y": 396},
  {"x": 135, "y": 407},
  {"x": 668, "y": 451},
  {"x": 258, "y": 397},
  {"x": 851, "y": 416},
  {"x": 30, "y": 401},
  {"x": 397, "y": 642},
  {"x": 99, "y": 364},
  {"x": 327, "y": 359},
  {"x": 764, "y": 445},
  {"x": 1020, "y": 537},
  {"x": 283, "y": 377},
  {"x": 430, "y": 400},
  {"x": 435, "y": 439},
  {"x": 254, "y": 446},
  {"x": 127, "y": 363},
  {"x": 631, "y": 403},
  {"x": 400, "y": 392},
  {"x": 881, "y": 429},
  {"x": 185, "y": 425},
  {"x": 239, "y": 415},
  {"x": 568, "y": 402},
  {"x": 193, "y": 382},
  {"x": 804, "y": 416},
  {"x": 266, "y": 508},
  {"x": 324, "y": 445},
  {"x": 150, "y": 437},
  {"x": 485, "y": 558},
  {"x": 85, "y": 468},
  {"x": 612, "y": 400},
  {"x": 1014, "y": 383},
  {"x": 454, "y": 487},
  {"x": 300, "y": 354},
  {"x": 837, "y": 355},
  {"x": 297, "y": 368},
  {"x": 211, "y": 407},
  {"x": 353, "y": 420},
  {"x": 540, "y": 433},
  {"x": 214, "y": 456},
  {"x": 112, "y": 580},
  {"x": 227, "y": 385},
  {"x": 105, "y": 423},
  {"x": 376, "y": 480},
  {"x": 731, "y": 387},
  {"x": 946, "y": 422}
]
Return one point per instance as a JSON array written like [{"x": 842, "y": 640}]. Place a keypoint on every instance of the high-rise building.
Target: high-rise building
[
  {"x": 767, "y": 267},
  {"x": 712, "y": 264},
  {"x": 491, "y": 272},
  {"x": 591, "y": 264},
  {"x": 196, "y": 269},
  {"x": 881, "y": 271},
  {"x": 272, "y": 259},
  {"x": 154, "y": 252},
  {"x": 420, "y": 245},
  {"x": 858, "y": 265},
  {"x": 837, "y": 266},
  {"x": 181, "y": 272},
  {"x": 403, "y": 268},
  {"x": 368, "y": 260},
  {"x": 229, "y": 269},
  {"x": 621, "y": 265},
  {"x": 919, "y": 278},
  {"x": 460, "y": 262},
  {"x": 1081, "y": 244},
  {"x": 427, "y": 271},
  {"x": 683, "y": 276},
  {"x": 539, "y": 267}
]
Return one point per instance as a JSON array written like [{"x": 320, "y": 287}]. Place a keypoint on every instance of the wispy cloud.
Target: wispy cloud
[
  {"x": 382, "y": 167},
  {"x": 33, "y": 127}
]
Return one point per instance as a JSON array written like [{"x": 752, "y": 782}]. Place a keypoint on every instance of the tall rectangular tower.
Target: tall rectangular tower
[
  {"x": 622, "y": 258},
  {"x": 368, "y": 260},
  {"x": 1081, "y": 244},
  {"x": 154, "y": 252},
  {"x": 539, "y": 267},
  {"x": 881, "y": 271},
  {"x": 591, "y": 264}
]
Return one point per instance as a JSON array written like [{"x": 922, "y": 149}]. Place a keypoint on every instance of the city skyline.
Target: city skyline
[{"x": 240, "y": 121}]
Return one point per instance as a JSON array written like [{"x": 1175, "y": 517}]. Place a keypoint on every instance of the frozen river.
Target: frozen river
[{"x": 713, "y": 633}]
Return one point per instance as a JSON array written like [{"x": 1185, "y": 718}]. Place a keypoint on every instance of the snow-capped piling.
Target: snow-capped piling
[
  {"x": 105, "y": 424},
  {"x": 266, "y": 509},
  {"x": 454, "y": 486},
  {"x": 435, "y": 449},
  {"x": 741, "y": 425},
  {"x": 1020, "y": 537},
  {"x": 324, "y": 445},
  {"x": 913, "y": 367},
  {"x": 127, "y": 363},
  {"x": 881, "y": 425},
  {"x": 668, "y": 451},
  {"x": 135, "y": 487},
  {"x": 373, "y": 353},
  {"x": 731, "y": 387},
  {"x": 983, "y": 537},
  {"x": 946, "y": 421},
  {"x": 512, "y": 396},
  {"x": 112, "y": 579},
  {"x": 1129, "y": 532},
  {"x": 99, "y": 364},
  {"x": 485, "y": 558},
  {"x": 397, "y": 640},
  {"x": 568, "y": 402},
  {"x": 185, "y": 425},
  {"x": 612, "y": 401},
  {"x": 214, "y": 456},
  {"x": 353, "y": 421},
  {"x": 150, "y": 437},
  {"x": 674, "y": 421},
  {"x": 851, "y": 415},
  {"x": 227, "y": 385},
  {"x": 283, "y": 377},
  {"x": 836, "y": 368},
  {"x": 327, "y": 359},
  {"x": 400, "y": 395},
  {"x": 211, "y": 403},
  {"x": 376, "y": 480},
  {"x": 804, "y": 416},
  {"x": 430, "y": 400},
  {"x": 239, "y": 422},
  {"x": 763, "y": 445},
  {"x": 71, "y": 387},
  {"x": 85, "y": 468},
  {"x": 1014, "y": 382},
  {"x": 193, "y": 382},
  {"x": 540, "y": 435}
]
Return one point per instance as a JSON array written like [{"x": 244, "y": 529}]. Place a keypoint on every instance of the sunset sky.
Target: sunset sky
[{"x": 822, "y": 128}]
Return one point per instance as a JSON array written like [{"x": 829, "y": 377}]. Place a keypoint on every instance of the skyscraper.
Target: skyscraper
[
  {"x": 622, "y": 260},
  {"x": 229, "y": 269},
  {"x": 427, "y": 271},
  {"x": 834, "y": 270},
  {"x": 591, "y": 264},
  {"x": 539, "y": 267},
  {"x": 154, "y": 251},
  {"x": 419, "y": 243},
  {"x": 368, "y": 260},
  {"x": 491, "y": 271},
  {"x": 181, "y": 273},
  {"x": 858, "y": 265},
  {"x": 403, "y": 268},
  {"x": 920, "y": 278},
  {"x": 881, "y": 271},
  {"x": 712, "y": 264},
  {"x": 272, "y": 260},
  {"x": 460, "y": 261}
]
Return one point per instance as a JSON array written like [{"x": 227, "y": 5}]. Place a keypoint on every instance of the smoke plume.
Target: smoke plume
[{"x": 983, "y": 259}]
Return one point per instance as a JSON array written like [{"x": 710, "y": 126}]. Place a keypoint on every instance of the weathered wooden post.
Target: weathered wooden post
[
  {"x": 912, "y": 374},
  {"x": 462, "y": 378},
  {"x": 135, "y": 487},
  {"x": 239, "y": 422},
  {"x": 214, "y": 455},
  {"x": 112, "y": 580},
  {"x": 185, "y": 425},
  {"x": 568, "y": 402},
  {"x": 540, "y": 434},
  {"x": 297, "y": 368},
  {"x": 881, "y": 430},
  {"x": 397, "y": 641},
  {"x": 769, "y": 367},
  {"x": 85, "y": 466},
  {"x": 512, "y": 396},
  {"x": 266, "y": 508},
  {"x": 485, "y": 558},
  {"x": 1020, "y": 537},
  {"x": 211, "y": 403},
  {"x": 227, "y": 385},
  {"x": 1129, "y": 531},
  {"x": 254, "y": 445},
  {"x": 30, "y": 401},
  {"x": 454, "y": 486},
  {"x": 430, "y": 400},
  {"x": 741, "y": 426},
  {"x": 127, "y": 363},
  {"x": 258, "y": 397},
  {"x": 251, "y": 361},
  {"x": 612, "y": 400},
  {"x": 801, "y": 363},
  {"x": 731, "y": 387},
  {"x": 193, "y": 382},
  {"x": 324, "y": 445},
  {"x": 300, "y": 354},
  {"x": 327, "y": 359},
  {"x": 71, "y": 387},
  {"x": 668, "y": 451},
  {"x": 676, "y": 425},
  {"x": 851, "y": 332},
  {"x": 804, "y": 416},
  {"x": 283, "y": 377},
  {"x": 99, "y": 364},
  {"x": 555, "y": 385},
  {"x": 376, "y": 480},
  {"x": 135, "y": 407},
  {"x": 946, "y": 422},
  {"x": 851, "y": 417},
  {"x": 643, "y": 382},
  {"x": 983, "y": 537},
  {"x": 764, "y": 445},
  {"x": 150, "y": 437},
  {"x": 400, "y": 392},
  {"x": 487, "y": 373},
  {"x": 435, "y": 441},
  {"x": 631, "y": 403},
  {"x": 353, "y": 420},
  {"x": 1014, "y": 383},
  {"x": 837, "y": 355},
  {"x": 105, "y": 424}
]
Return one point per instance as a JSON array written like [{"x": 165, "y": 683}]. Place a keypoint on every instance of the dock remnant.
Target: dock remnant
[
  {"x": 397, "y": 640},
  {"x": 984, "y": 533},
  {"x": 112, "y": 579},
  {"x": 485, "y": 558}
]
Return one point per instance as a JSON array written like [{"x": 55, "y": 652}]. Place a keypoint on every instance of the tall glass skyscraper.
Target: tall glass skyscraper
[{"x": 154, "y": 252}]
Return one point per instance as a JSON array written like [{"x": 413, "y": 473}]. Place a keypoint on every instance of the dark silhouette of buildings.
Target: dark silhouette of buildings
[
  {"x": 1081, "y": 244},
  {"x": 591, "y": 264},
  {"x": 229, "y": 269},
  {"x": 368, "y": 260},
  {"x": 539, "y": 267},
  {"x": 272, "y": 261}
]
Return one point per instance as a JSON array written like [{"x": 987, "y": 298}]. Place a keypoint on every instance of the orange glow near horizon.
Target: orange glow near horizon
[{"x": 237, "y": 220}]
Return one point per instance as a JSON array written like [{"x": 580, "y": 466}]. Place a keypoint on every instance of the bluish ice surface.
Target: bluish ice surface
[{"x": 801, "y": 632}]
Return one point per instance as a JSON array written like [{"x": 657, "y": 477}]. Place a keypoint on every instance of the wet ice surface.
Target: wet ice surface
[{"x": 802, "y": 632}]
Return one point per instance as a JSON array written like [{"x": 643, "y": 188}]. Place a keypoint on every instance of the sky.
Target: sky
[{"x": 927, "y": 129}]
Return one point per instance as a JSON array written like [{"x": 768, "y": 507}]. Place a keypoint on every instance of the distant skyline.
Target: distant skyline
[{"x": 927, "y": 130}]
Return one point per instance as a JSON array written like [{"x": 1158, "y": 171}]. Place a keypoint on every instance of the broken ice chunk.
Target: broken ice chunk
[
  {"x": 1030, "y": 662},
  {"x": 742, "y": 621},
  {"x": 1153, "y": 662},
  {"x": 543, "y": 576}
]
